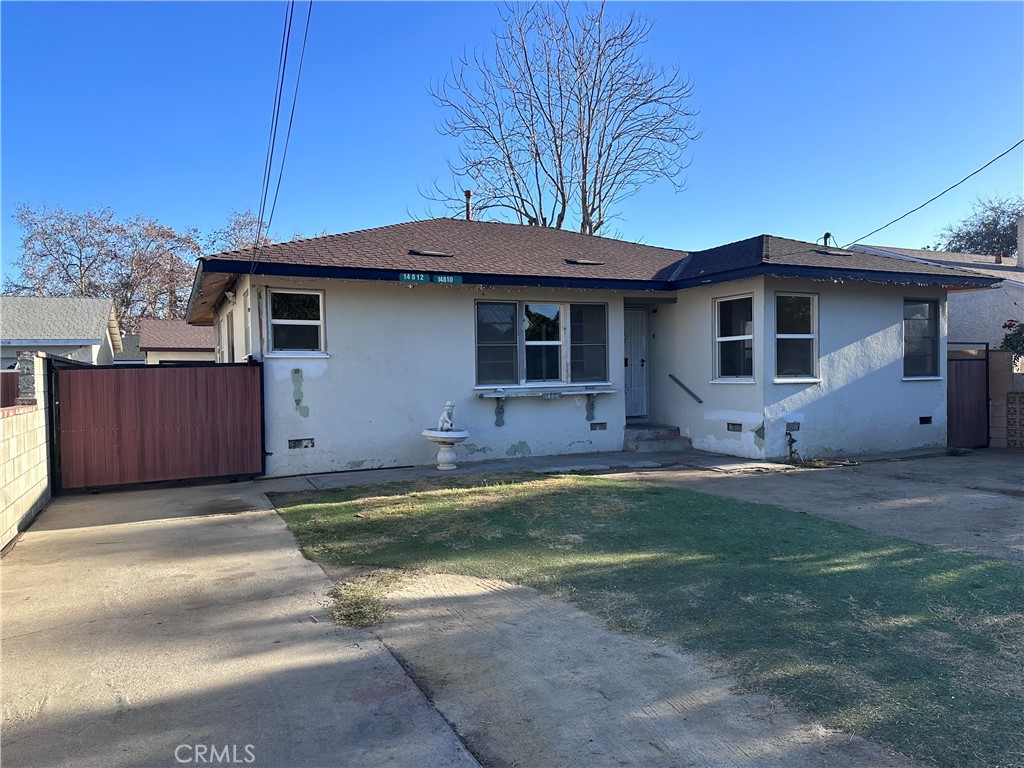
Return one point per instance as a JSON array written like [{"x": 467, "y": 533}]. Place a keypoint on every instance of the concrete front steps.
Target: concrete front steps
[{"x": 650, "y": 438}]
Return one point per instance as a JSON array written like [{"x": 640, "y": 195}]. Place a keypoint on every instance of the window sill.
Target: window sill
[
  {"x": 282, "y": 355},
  {"x": 733, "y": 381},
  {"x": 796, "y": 380},
  {"x": 550, "y": 391},
  {"x": 922, "y": 378}
]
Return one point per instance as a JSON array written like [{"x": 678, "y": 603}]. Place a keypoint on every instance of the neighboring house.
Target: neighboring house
[
  {"x": 130, "y": 353},
  {"x": 166, "y": 342},
  {"x": 85, "y": 330},
  {"x": 364, "y": 336},
  {"x": 974, "y": 316}
]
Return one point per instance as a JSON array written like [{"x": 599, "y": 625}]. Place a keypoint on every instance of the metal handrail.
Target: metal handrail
[{"x": 686, "y": 389}]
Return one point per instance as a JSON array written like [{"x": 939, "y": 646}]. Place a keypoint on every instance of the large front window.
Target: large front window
[
  {"x": 920, "y": 338},
  {"x": 537, "y": 343},
  {"x": 734, "y": 338},
  {"x": 796, "y": 325},
  {"x": 296, "y": 321}
]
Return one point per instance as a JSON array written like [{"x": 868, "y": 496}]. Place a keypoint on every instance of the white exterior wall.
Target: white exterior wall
[
  {"x": 395, "y": 354},
  {"x": 978, "y": 316},
  {"x": 682, "y": 343},
  {"x": 862, "y": 403}
]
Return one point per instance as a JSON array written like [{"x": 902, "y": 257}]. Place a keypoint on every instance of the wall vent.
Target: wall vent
[
  {"x": 924, "y": 420},
  {"x": 598, "y": 425},
  {"x": 302, "y": 442},
  {"x": 733, "y": 426}
]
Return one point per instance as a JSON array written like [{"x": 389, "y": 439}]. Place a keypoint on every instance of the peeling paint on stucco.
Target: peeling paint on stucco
[
  {"x": 355, "y": 464},
  {"x": 519, "y": 450},
  {"x": 472, "y": 448},
  {"x": 303, "y": 410}
]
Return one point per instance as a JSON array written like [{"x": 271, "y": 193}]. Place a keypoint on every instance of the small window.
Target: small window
[
  {"x": 734, "y": 338},
  {"x": 920, "y": 338},
  {"x": 497, "y": 343},
  {"x": 796, "y": 328},
  {"x": 542, "y": 329},
  {"x": 588, "y": 334},
  {"x": 296, "y": 321}
]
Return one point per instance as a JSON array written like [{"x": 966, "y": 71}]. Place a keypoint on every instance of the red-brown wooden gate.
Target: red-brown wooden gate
[
  {"x": 124, "y": 425},
  {"x": 967, "y": 401}
]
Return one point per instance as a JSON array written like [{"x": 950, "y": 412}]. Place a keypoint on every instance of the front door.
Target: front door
[{"x": 636, "y": 363}]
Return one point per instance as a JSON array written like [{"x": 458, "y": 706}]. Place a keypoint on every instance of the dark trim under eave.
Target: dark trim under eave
[
  {"x": 823, "y": 273},
  {"x": 468, "y": 278}
]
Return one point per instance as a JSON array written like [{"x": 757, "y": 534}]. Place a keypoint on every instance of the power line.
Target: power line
[
  {"x": 263, "y": 218},
  {"x": 947, "y": 189},
  {"x": 291, "y": 115}
]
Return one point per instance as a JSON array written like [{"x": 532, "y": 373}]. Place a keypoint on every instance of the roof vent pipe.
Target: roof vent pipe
[
  {"x": 469, "y": 205},
  {"x": 826, "y": 237}
]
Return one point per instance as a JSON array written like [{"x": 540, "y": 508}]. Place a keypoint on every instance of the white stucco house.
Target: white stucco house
[
  {"x": 553, "y": 342},
  {"x": 85, "y": 330}
]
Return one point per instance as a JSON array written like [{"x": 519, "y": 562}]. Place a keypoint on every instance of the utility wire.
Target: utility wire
[
  {"x": 947, "y": 189},
  {"x": 291, "y": 116}
]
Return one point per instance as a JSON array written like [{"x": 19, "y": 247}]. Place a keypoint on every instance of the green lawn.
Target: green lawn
[{"x": 905, "y": 644}]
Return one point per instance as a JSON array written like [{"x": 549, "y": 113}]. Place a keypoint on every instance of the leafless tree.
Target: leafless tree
[
  {"x": 144, "y": 267},
  {"x": 990, "y": 227},
  {"x": 239, "y": 234},
  {"x": 564, "y": 119}
]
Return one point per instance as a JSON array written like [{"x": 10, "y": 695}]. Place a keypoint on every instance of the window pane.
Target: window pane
[
  {"x": 588, "y": 323},
  {"x": 542, "y": 363},
  {"x": 294, "y": 306},
  {"x": 920, "y": 365},
  {"x": 923, "y": 310},
  {"x": 496, "y": 323},
  {"x": 736, "y": 358},
  {"x": 736, "y": 317},
  {"x": 589, "y": 363},
  {"x": 793, "y": 314},
  {"x": 542, "y": 322},
  {"x": 305, "y": 338},
  {"x": 588, "y": 353},
  {"x": 794, "y": 357},
  {"x": 497, "y": 364},
  {"x": 920, "y": 328}
]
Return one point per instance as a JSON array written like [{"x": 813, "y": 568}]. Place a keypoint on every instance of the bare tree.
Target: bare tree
[
  {"x": 144, "y": 267},
  {"x": 239, "y": 234},
  {"x": 565, "y": 119}
]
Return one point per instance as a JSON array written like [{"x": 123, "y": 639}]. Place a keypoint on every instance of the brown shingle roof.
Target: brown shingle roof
[
  {"x": 767, "y": 252},
  {"x": 476, "y": 247},
  {"x": 167, "y": 335}
]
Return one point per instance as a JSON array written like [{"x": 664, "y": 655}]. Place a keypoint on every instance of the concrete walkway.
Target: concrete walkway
[{"x": 182, "y": 626}]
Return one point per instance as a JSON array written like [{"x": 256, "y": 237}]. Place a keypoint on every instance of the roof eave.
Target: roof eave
[{"x": 829, "y": 273}]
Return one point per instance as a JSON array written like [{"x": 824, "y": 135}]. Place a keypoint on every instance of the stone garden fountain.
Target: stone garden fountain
[{"x": 446, "y": 437}]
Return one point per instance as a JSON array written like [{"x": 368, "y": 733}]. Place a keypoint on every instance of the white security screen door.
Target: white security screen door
[{"x": 636, "y": 363}]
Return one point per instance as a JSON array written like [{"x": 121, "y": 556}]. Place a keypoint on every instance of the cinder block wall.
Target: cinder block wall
[
  {"x": 1004, "y": 388},
  {"x": 24, "y": 473}
]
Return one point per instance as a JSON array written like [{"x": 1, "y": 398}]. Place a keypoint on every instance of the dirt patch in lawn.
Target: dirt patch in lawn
[{"x": 527, "y": 680}]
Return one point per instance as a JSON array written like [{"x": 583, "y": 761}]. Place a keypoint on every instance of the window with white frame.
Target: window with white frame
[
  {"x": 920, "y": 338},
  {"x": 734, "y": 338},
  {"x": 796, "y": 336},
  {"x": 296, "y": 321},
  {"x": 529, "y": 342}
]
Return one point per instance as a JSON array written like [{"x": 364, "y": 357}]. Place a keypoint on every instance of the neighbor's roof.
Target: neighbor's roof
[
  {"x": 782, "y": 257},
  {"x": 975, "y": 262},
  {"x": 26, "y": 320},
  {"x": 130, "y": 352},
  {"x": 491, "y": 253},
  {"x": 170, "y": 335}
]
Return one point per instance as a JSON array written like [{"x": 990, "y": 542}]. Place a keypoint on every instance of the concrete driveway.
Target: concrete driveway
[{"x": 176, "y": 627}]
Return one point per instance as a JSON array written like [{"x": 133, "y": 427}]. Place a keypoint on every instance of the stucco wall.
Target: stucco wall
[
  {"x": 861, "y": 403},
  {"x": 87, "y": 354},
  {"x": 978, "y": 316},
  {"x": 24, "y": 471},
  {"x": 395, "y": 354},
  {"x": 682, "y": 343}
]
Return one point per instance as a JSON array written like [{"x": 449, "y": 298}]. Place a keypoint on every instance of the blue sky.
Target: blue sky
[{"x": 815, "y": 117}]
